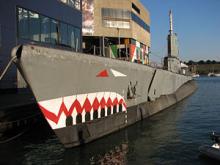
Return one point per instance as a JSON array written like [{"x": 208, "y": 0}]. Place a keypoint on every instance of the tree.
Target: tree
[
  {"x": 208, "y": 62},
  {"x": 214, "y": 62},
  {"x": 201, "y": 62},
  {"x": 191, "y": 62}
]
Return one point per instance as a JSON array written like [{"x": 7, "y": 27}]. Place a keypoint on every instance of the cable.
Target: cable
[{"x": 7, "y": 67}]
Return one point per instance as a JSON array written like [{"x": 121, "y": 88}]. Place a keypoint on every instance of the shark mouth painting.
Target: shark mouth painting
[{"x": 81, "y": 108}]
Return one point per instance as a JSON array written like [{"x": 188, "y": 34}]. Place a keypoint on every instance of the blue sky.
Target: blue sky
[{"x": 197, "y": 23}]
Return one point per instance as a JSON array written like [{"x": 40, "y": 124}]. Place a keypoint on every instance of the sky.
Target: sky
[{"x": 196, "y": 22}]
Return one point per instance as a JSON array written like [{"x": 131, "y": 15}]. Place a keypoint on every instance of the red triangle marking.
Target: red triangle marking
[{"x": 103, "y": 73}]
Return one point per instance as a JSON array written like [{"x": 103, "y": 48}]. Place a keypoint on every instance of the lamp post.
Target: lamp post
[
  {"x": 103, "y": 46},
  {"x": 119, "y": 43}
]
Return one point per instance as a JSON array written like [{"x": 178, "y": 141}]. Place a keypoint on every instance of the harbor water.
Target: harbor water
[{"x": 170, "y": 137}]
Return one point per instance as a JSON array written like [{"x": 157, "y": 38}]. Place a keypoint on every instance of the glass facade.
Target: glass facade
[
  {"x": 73, "y": 3},
  {"x": 71, "y": 36},
  {"x": 63, "y": 34},
  {"x": 23, "y": 24},
  {"x": 45, "y": 29},
  {"x": 77, "y": 38},
  {"x": 54, "y": 26},
  {"x": 36, "y": 27}
]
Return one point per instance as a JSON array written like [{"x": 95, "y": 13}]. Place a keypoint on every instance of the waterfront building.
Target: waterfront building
[
  {"x": 116, "y": 29},
  {"x": 51, "y": 23}
]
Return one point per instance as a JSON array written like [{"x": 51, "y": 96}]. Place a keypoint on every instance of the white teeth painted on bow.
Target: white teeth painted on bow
[
  {"x": 61, "y": 124},
  {"x": 106, "y": 95},
  {"x": 52, "y": 105},
  {"x": 68, "y": 101},
  {"x": 91, "y": 114},
  {"x": 56, "y": 116},
  {"x": 113, "y": 96},
  {"x": 83, "y": 116},
  {"x": 81, "y": 98},
  {"x": 92, "y": 97},
  {"x": 100, "y": 96},
  {"x": 74, "y": 115}
]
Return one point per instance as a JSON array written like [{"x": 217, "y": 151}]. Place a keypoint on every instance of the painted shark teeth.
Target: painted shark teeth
[{"x": 57, "y": 110}]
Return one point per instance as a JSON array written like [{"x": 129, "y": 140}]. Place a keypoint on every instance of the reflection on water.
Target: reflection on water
[{"x": 170, "y": 137}]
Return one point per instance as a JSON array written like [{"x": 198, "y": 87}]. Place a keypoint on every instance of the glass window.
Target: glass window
[
  {"x": 71, "y": 36},
  {"x": 34, "y": 23},
  {"x": 116, "y": 13},
  {"x": 136, "y": 9},
  {"x": 23, "y": 31},
  {"x": 77, "y": 39},
  {"x": 54, "y": 29},
  {"x": 45, "y": 29},
  {"x": 63, "y": 33}
]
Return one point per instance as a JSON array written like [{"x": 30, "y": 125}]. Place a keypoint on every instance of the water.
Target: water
[{"x": 170, "y": 137}]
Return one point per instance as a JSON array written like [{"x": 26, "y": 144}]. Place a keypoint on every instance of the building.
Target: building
[
  {"x": 116, "y": 29},
  {"x": 52, "y": 23}
]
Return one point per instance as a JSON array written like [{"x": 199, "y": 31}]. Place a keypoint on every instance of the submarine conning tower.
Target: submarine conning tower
[{"x": 171, "y": 61}]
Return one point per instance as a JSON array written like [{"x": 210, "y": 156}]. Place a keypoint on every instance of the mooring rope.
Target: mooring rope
[{"x": 7, "y": 67}]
